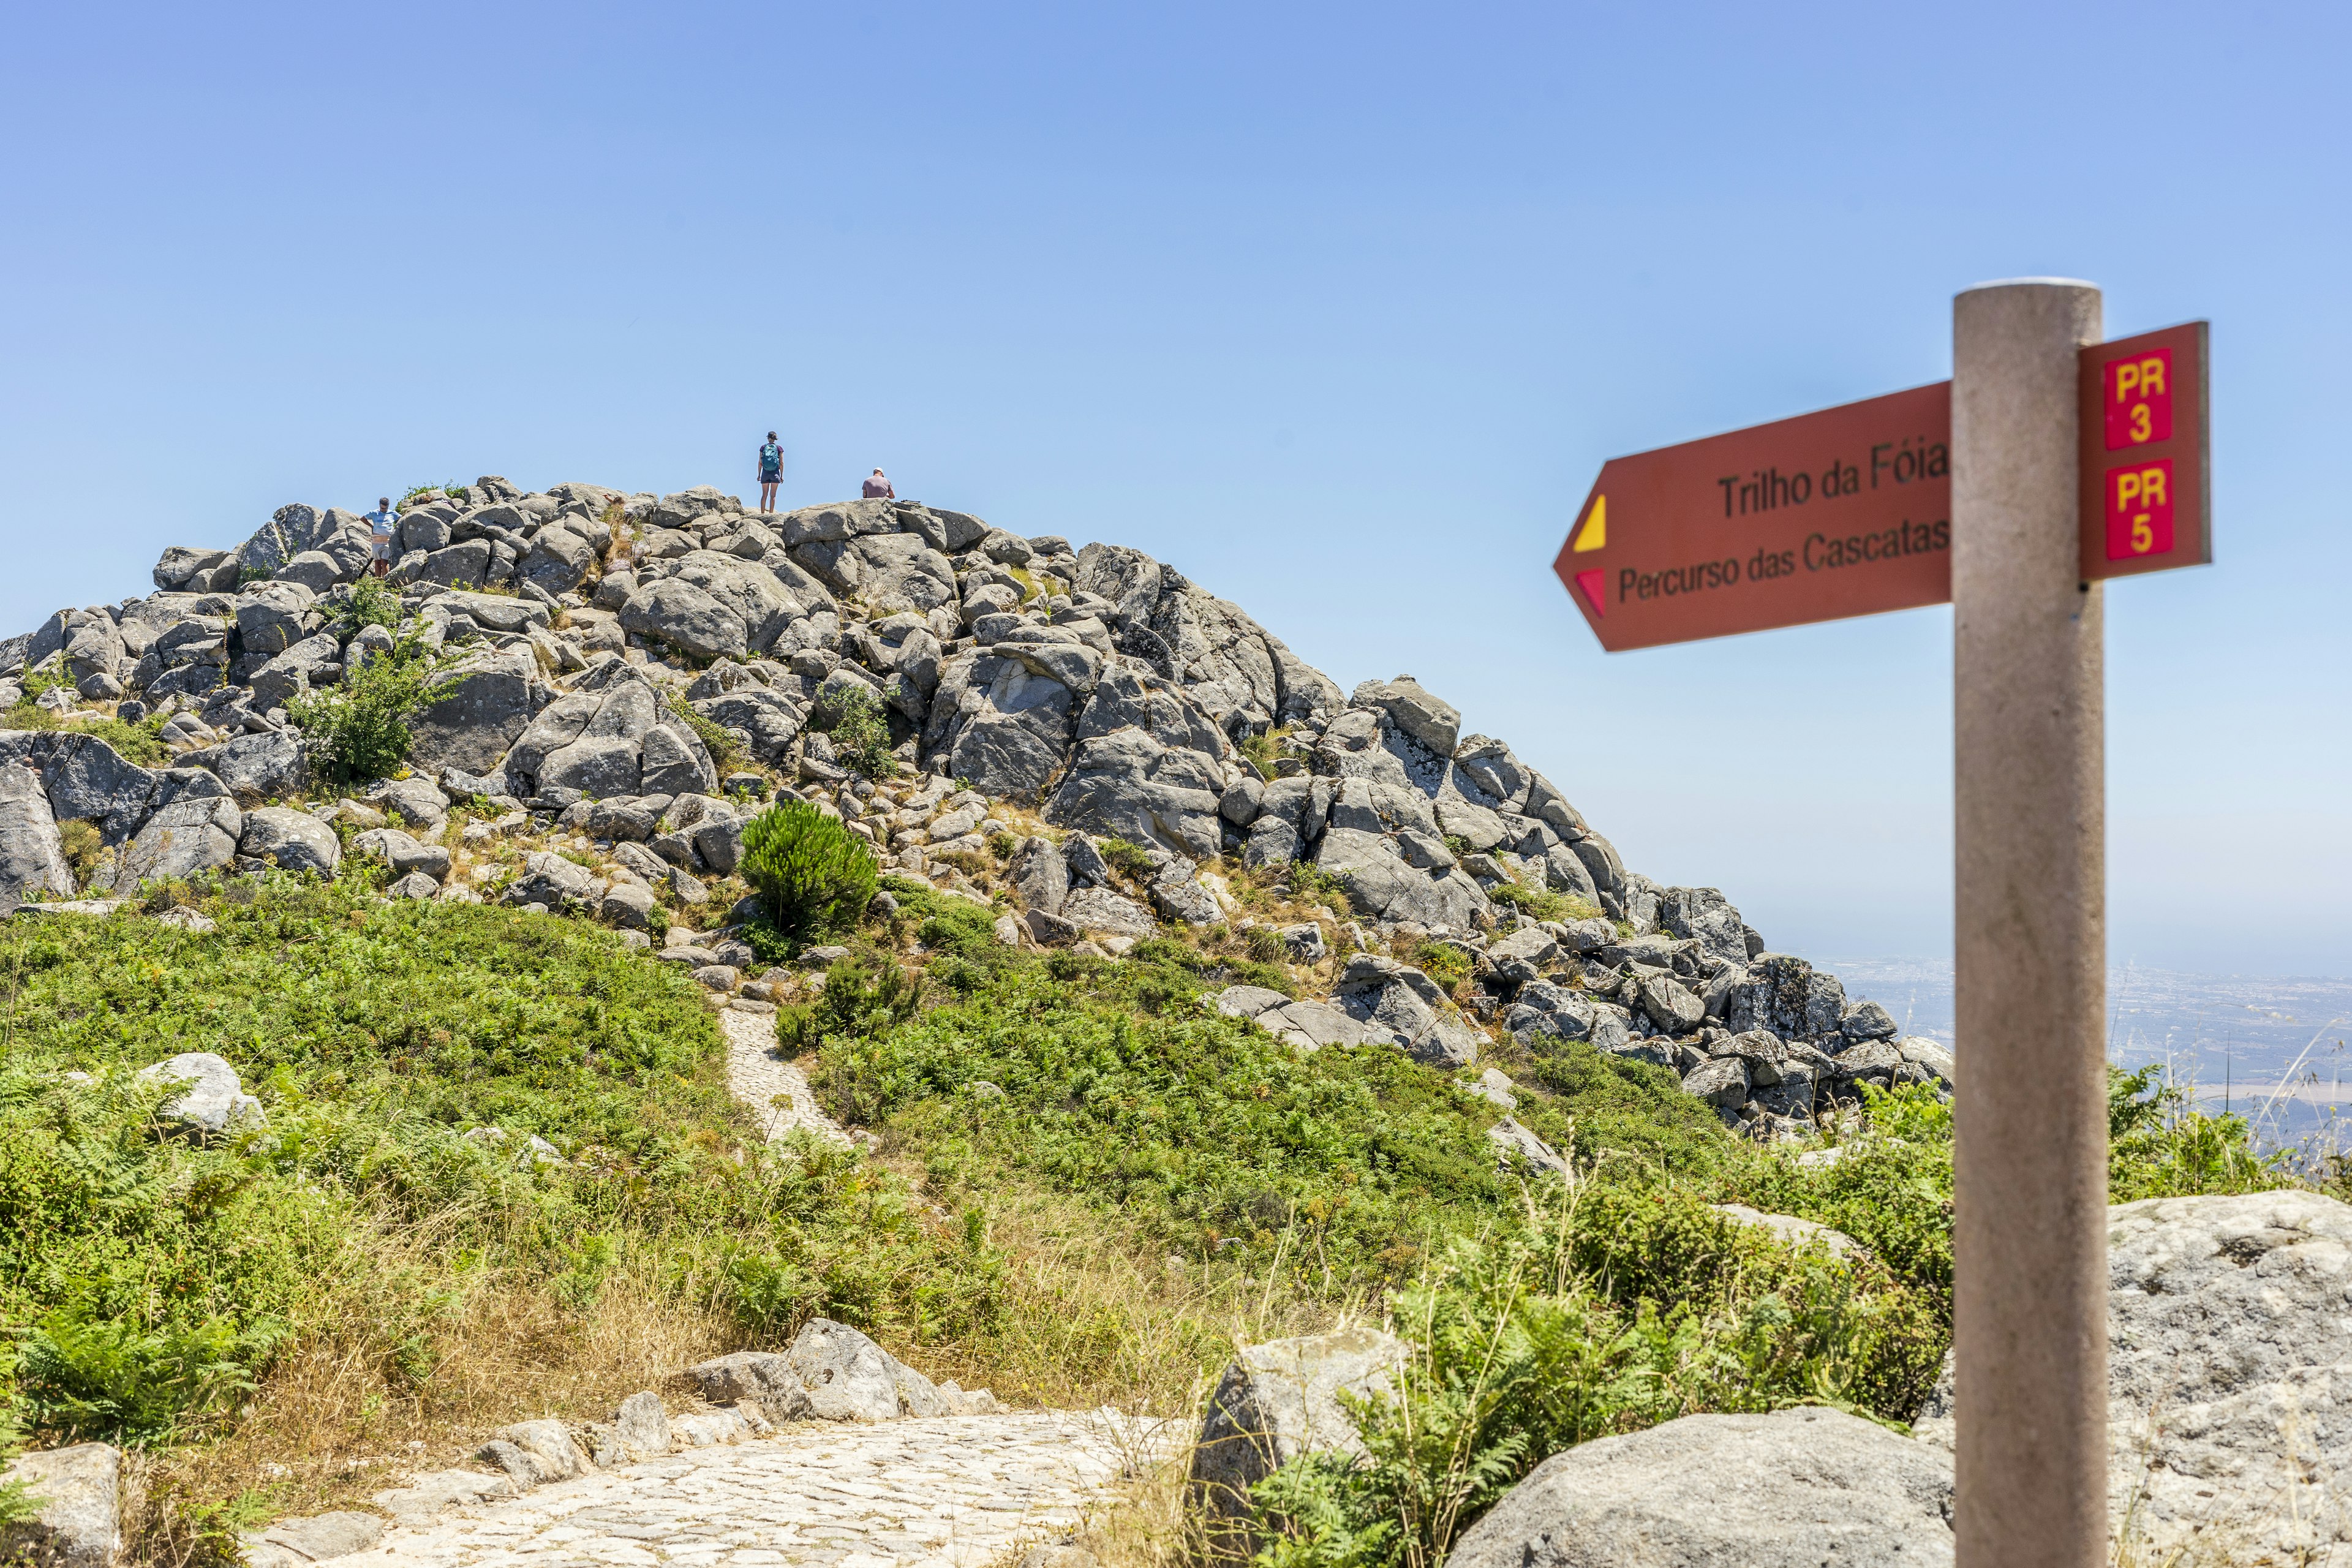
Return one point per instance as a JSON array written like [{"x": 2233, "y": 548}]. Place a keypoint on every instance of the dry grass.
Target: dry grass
[
  {"x": 1091, "y": 1318},
  {"x": 329, "y": 1426}
]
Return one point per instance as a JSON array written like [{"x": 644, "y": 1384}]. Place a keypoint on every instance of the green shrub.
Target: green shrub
[
  {"x": 83, "y": 846},
  {"x": 716, "y": 741},
  {"x": 861, "y": 736},
  {"x": 1128, "y": 859},
  {"x": 1265, "y": 945},
  {"x": 1262, "y": 749},
  {"x": 814, "y": 876},
  {"x": 1191, "y": 1128},
  {"x": 2160, "y": 1145},
  {"x": 1626, "y": 1304},
  {"x": 360, "y": 725},
  {"x": 373, "y": 604},
  {"x": 1542, "y": 903},
  {"x": 141, "y": 743},
  {"x": 1447, "y": 966}
]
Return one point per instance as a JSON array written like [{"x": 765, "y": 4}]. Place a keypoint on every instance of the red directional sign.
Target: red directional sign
[
  {"x": 1843, "y": 512},
  {"x": 1848, "y": 511},
  {"x": 2145, "y": 503}
]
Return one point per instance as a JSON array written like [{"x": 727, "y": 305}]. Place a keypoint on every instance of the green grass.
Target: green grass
[
  {"x": 141, "y": 743},
  {"x": 163, "y": 1290},
  {"x": 158, "y": 1280},
  {"x": 1194, "y": 1129}
]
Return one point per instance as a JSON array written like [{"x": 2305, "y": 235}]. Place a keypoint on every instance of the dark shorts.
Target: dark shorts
[{"x": 767, "y": 477}]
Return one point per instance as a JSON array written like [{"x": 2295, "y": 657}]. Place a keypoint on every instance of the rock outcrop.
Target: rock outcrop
[
  {"x": 1792, "y": 1490},
  {"x": 595, "y": 637},
  {"x": 1276, "y": 1402},
  {"x": 2228, "y": 1367}
]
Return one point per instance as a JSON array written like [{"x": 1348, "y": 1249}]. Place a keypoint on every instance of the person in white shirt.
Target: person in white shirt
[{"x": 381, "y": 525}]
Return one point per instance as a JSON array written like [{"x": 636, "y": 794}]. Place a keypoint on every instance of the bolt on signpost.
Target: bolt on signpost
[{"x": 2049, "y": 463}]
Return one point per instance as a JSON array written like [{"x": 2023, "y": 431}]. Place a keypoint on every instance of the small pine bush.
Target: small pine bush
[{"x": 812, "y": 875}]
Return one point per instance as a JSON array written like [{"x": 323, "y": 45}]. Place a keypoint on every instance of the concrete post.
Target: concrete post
[{"x": 2029, "y": 1311}]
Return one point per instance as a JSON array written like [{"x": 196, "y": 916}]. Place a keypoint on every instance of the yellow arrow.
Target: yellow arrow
[{"x": 1595, "y": 531}]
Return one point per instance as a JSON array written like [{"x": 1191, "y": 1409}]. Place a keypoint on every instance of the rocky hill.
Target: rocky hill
[{"x": 625, "y": 678}]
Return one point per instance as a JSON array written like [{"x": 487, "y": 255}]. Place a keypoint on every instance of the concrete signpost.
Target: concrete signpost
[{"x": 2049, "y": 462}]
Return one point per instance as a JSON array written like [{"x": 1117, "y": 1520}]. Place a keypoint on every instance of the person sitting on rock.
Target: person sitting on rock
[
  {"x": 771, "y": 472},
  {"x": 878, "y": 488},
  {"x": 380, "y": 523}
]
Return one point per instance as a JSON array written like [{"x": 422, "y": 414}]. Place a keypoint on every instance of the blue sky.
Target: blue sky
[{"x": 1337, "y": 308}]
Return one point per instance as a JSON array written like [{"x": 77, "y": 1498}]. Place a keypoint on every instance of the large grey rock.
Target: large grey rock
[
  {"x": 558, "y": 561},
  {"x": 1129, "y": 784},
  {"x": 1178, "y": 895},
  {"x": 2229, "y": 1371},
  {"x": 1795, "y": 1489},
  {"x": 182, "y": 564},
  {"x": 1670, "y": 1005},
  {"x": 413, "y": 802},
  {"x": 1404, "y": 1007},
  {"x": 483, "y": 706},
  {"x": 1721, "y": 1081},
  {"x": 269, "y": 617},
  {"x": 426, "y": 1495},
  {"x": 1100, "y": 910},
  {"x": 1705, "y": 916},
  {"x": 1783, "y": 994},
  {"x": 32, "y": 856},
  {"x": 673, "y": 761},
  {"x": 1040, "y": 875},
  {"x": 545, "y": 1447},
  {"x": 493, "y": 611},
  {"x": 1868, "y": 1021},
  {"x": 1428, "y": 719},
  {"x": 195, "y": 827},
  {"x": 1379, "y": 882},
  {"x": 215, "y": 1099},
  {"x": 87, "y": 779},
  {"x": 1498, "y": 773},
  {"x": 321, "y": 1538},
  {"x": 1275, "y": 1402},
  {"x": 267, "y": 766},
  {"x": 685, "y": 617},
  {"x": 848, "y": 1376},
  {"x": 79, "y": 1524},
  {"x": 1792, "y": 1230},
  {"x": 640, "y": 1431},
  {"x": 293, "y": 840},
  {"x": 1005, "y": 730},
  {"x": 762, "y": 1378},
  {"x": 548, "y": 879},
  {"x": 1517, "y": 1149},
  {"x": 403, "y": 852},
  {"x": 773, "y": 720},
  {"x": 592, "y": 740},
  {"x": 1128, "y": 578}
]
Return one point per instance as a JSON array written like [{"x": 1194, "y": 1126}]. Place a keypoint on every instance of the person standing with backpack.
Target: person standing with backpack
[{"x": 771, "y": 472}]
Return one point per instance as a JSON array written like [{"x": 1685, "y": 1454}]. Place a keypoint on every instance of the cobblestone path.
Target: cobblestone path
[
  {"x": 771, "y": 1086},
  {"x": 951, "y": 1491}
]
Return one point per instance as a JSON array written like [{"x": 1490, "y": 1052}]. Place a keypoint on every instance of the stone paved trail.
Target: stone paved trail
[
  {"x": 951, "y": 1491},
  {"x": 947, "y": 1492},
  {"x": 774, "y": 1089}
]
